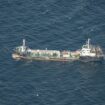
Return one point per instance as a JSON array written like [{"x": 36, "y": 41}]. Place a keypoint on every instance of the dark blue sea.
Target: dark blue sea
[{"x": 56, "y": 25}]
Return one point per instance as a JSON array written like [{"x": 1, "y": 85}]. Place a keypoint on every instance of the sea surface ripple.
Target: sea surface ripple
[{"x": 56, "y": 25}]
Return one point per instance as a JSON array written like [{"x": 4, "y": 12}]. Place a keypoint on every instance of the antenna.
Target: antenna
[{"x": 24, "y": 42}]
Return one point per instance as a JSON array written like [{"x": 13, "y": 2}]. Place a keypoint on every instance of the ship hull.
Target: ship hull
[{"x": 91, "y": 59}]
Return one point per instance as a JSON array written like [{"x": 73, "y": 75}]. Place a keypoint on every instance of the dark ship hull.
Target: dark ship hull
[{"x": 91, "y": 59}]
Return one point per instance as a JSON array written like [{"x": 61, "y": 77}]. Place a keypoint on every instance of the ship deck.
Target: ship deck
[{"x": 18, "y": 57}]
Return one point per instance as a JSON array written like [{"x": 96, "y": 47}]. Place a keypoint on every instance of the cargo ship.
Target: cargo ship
[
  {"x": 24, "y": 52},
  {"x": 91, "y": 52},
  {"x": 87, "y": 53}
]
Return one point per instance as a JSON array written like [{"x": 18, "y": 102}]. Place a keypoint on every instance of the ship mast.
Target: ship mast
[
  {"x": 23, "y": 48},
  {"x": 88, "y": 43},
  {"x": 24, "y": 43}
]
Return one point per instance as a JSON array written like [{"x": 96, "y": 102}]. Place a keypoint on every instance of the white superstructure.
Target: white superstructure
[{"x": 88, "y": 50}]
